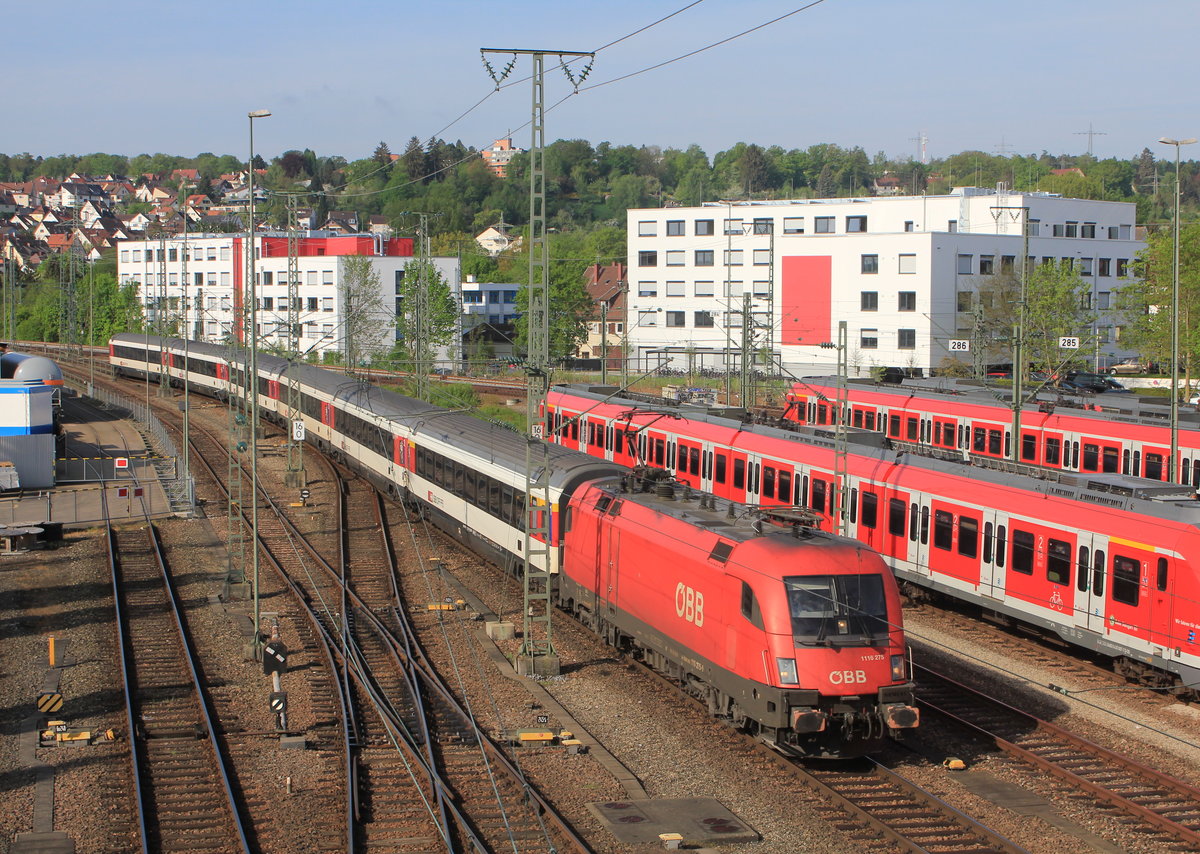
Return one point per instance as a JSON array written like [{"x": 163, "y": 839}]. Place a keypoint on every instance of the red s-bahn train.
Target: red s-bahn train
[
  {"x": 1114, "y": 434},
  {"x": 1103, "y": 561},
  {"x": 788, "y": 631}
]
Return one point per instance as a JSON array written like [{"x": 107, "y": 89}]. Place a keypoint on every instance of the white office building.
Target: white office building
[
  {"x": 215, "y": 267},
  {"x": 902, "y": 272}
]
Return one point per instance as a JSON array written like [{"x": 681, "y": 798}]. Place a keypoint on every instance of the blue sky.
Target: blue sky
[{"x": 1018, "y": 75}]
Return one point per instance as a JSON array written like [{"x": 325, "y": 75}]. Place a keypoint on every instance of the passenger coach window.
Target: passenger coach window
[
  {"x": 739, "y": 474},
  {"x": 924, "y": 526},
  {"x": 818, "y": 495},
  {"x": 768, "y": 481},
  {"x": 1001, "y": 544},
  {"x": 1053, "y": 451},
  {"x": 1022, "y": 552},
  {"x": 968, "y": 536},
  {"x": 1126, "y": 576},
  {"x": 1091, "y": 457},
  {"x": 912, "y": 429},
  {"x": 895, "y": 517},
  {"x": 943, "y": 530},
  {"x": 1085, "y": 560},
  {"x": 1028, "y": 446},
  {"x": 785, "y": 486},
  {"x": 894, "y": 426},
  {"x": 912, "y": 522},
  {"x": 1098, "y": 573},
  {"x": 720, "y": 476},
  {"x": 980, "y": 441},
  {"x": 1154, "y": 471},
  {"x": 870, "y": 509},
  {"x": 1058, "y": 562}
]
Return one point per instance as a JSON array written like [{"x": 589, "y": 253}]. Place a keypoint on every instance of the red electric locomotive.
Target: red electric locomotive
[
  {"x": 782, "y": 629},
  {"x": 1105, "y": 433},
  {"x": 1105, "y": 562}
]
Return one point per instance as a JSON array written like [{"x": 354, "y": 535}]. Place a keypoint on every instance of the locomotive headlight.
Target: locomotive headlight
[
  {"x": 897, "y": 668},
  {"x": 787, "y": 671}
]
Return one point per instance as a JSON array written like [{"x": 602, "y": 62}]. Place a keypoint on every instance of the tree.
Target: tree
[
  {"x": 1057, "y": 305},
  {"x": 754, "y": 169},
  {"x": 367, "y": 319},
  {"x": 413, "y": 160},
  {"x": 1146, "y": 303},
  {"x": 382, "y": 154},
  {"x": 441, "y": 325}
]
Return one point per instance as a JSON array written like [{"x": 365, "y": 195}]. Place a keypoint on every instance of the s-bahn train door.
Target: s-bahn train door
[
  {"x": 992, "y": 558},
  {"x": 1091, "y": 554}
]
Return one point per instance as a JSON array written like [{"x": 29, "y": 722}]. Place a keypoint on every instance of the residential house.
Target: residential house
[
  {"x": 342, "y": 222},
  {"x": 498, "y": 156},
  {"x": 496, "y": 239},
  {"x": 607, "y": 285}
]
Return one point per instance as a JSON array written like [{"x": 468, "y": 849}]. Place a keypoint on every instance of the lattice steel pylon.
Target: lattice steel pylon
[
  {"x": 162, "y": 312},
  {"x": 537, "y": 655},
  {"x": 420, "y": 326},
  {"x": 840, "y": 469},
  {"x": 295, "y": 475}
]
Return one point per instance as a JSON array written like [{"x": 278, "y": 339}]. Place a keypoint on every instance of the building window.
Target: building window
[
  {"x": 793, "y": 225},
  {"x": 675, "y": 228},
  {"x": 704, "y": 227},
  {"x": 137, "y": 254},
  {"x": 1006, "y": 263},
  {"x": 908, "y": 225},
  {"x": 952, "y": 226},
  {"x": 733, "y": 257},
  {"x": 908, "y": 264},
  {"x": 1085, "y": 266},
  {"x": 647, "y": 317},
  {"x": 1122, "y": 267},
  {"x": 869, "y": 301},
  {"x": 823, "y": 225},
  {"x": 762, "y": 256},
  {"x": 733, "y": 289},
  {"x": 907, "y": 301},
  {"x": 675, "y": 319},
  {"x": 705, "y": 289},
  {"x": 267, "y": 276},
  {"x": 966, "y": 264},
  {"x": 987, "y": 265},
  {"x": 764, "y": 225},
  {"x": 1104, "y": 300},
  {"x": 674, "y": 257},
  {"x": 224, "y": 280},
  {"x": 224, "y": 253},
  {"x": 1088, "y": 229},
  {"x": 647, "y": 289},
  {"x": 647, "y": 258},
  {"x": 676, "y": 289},
  {"x": 870, "y": 264},
  {"x": 703, "y": 320},
  {"x": 1072, "y": 229},
  {"x": 733, "y": 226},
  {"x": 1056, "y": 230},
  {"x": 868, "y": 339},
  {"x": 1035, "y": 227},
  {"x": 267, "y": 304},
  {"x": 327, "y": 304},
  {"x": 312, "y": 303},
  {"x": 327, "y": 277},
  {"x": 906, "y": 339},
  {"x": 647, "y": 228},
  {"x": 733, "y": 320},
  {"x": 965, "y": 299},
  {"x": 704, "y": 258},
  {"x": 856, "y": 224},
  {"x": 1105, "y": 268},
  {"x": 172, "y": 254}
]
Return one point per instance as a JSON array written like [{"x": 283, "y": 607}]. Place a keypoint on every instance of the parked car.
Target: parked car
[
  {"x": 1084, "y": 381},
  {"x": 1128, "y": 368},
  {"x": 1116, "y": 387}
]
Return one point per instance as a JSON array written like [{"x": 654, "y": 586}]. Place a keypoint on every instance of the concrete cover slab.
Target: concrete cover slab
[{"x": 699, "y": 820}]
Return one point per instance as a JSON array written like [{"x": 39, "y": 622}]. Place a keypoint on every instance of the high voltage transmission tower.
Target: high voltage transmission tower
[{"x": 537, "y": 655}]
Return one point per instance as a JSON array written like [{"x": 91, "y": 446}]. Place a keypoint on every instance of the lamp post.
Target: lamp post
[
  {"x": 1175, "y": 317},
  {"x": 249, "y": 291}
]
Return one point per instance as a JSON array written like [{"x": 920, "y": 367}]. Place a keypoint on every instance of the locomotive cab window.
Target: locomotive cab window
[
  {"x": 837, "y": 610},
  {"x": 1161, "y": 577},
  {"x": 750, "y": 609}
]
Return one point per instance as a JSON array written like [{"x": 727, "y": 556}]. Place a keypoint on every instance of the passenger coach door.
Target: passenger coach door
[
  {"x": 991, "y": 564},
  {"x": 1091, "y": 554}
]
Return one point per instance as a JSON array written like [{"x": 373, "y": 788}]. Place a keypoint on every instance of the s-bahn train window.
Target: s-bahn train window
[
  {"x": 1075, "y": 455},
  {"x": 1085, "y": 560},
  {"x": 994, "y": 442},
  {"x": 754, "y": 470},
  {"x": 857, "y": 418},
  {"x": 1058, "y": 562},
  {"x": 1125, "y": 462},
  {"x": 1098, "y": 572},
  {"x": 619, "y": 442},
  {"x": 768, "y": 482},
  {"x": 1001, "y": 538},
  {"x": 1022, "y": 552},
  {"x": 869, "y": 420},
  {"x": 1162, "y": 574},
  {"x": 948, "y": 434},
  {"x": 912, "y": 523},
  {"x": 924, "y": 526},
  {"x": 987, "y": 542},
  {"x": 943, "y": 530},
  {"x": 707, "y": 459},
  {"x": 1028, "y": 446},
  {"x": 1091, "y": 457},
  {"x": 1154, "y": 471},
  {"x": 817, "y": 501},
  {"x": 829, "y": 609},
  {"x": 739, "y": 474},
  {"x": 785, "y": 486},
  {"x": 801, "y": 492},
  {"x": 1125, "y": 580},
  {"x": 1109, "y": 461},
  {"x": 894, "y": 426},
  {"x": 719, "y": 477},
  {"x": 750, "y": 609},
  {"x": 968, "y": 536},
  {"x": 853, "y": 505},
  {"x": 660, "y": 448},
  {"x": 470, "y": 494},
  {"x": 1053, "y": 451},
  {"x": 896, "y": 517},
  {"x": 980, "y": 442},
  {"x": 912, "y": 429},
  {"x": 694, "y": 461},
  {"x": 870, "y": 509}
]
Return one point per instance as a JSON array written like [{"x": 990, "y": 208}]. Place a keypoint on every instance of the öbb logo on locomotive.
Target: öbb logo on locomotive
[{"x": 779, "y": 604}]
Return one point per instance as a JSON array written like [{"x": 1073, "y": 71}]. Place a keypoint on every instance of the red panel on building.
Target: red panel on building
[
  {"x": 806, "y": 303},
  {"x": 313, "y": 247}
]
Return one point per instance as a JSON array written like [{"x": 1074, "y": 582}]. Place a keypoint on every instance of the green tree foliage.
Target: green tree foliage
[
  {"x": 442, "y": 323},
  {"x": 1146, "y": 303},
  {"x": 366, "y": 317},
  {"x": 1057, "y": 305}
]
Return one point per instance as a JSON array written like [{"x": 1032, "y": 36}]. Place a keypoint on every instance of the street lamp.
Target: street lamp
[
  {"x": 250, "y": 339},
  {"x": 1175, "y": 317}
]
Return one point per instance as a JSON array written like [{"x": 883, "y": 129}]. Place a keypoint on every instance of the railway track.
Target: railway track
[
  {"x": 182, "y": 778},
  {"x": 1168, "y": 808}
]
